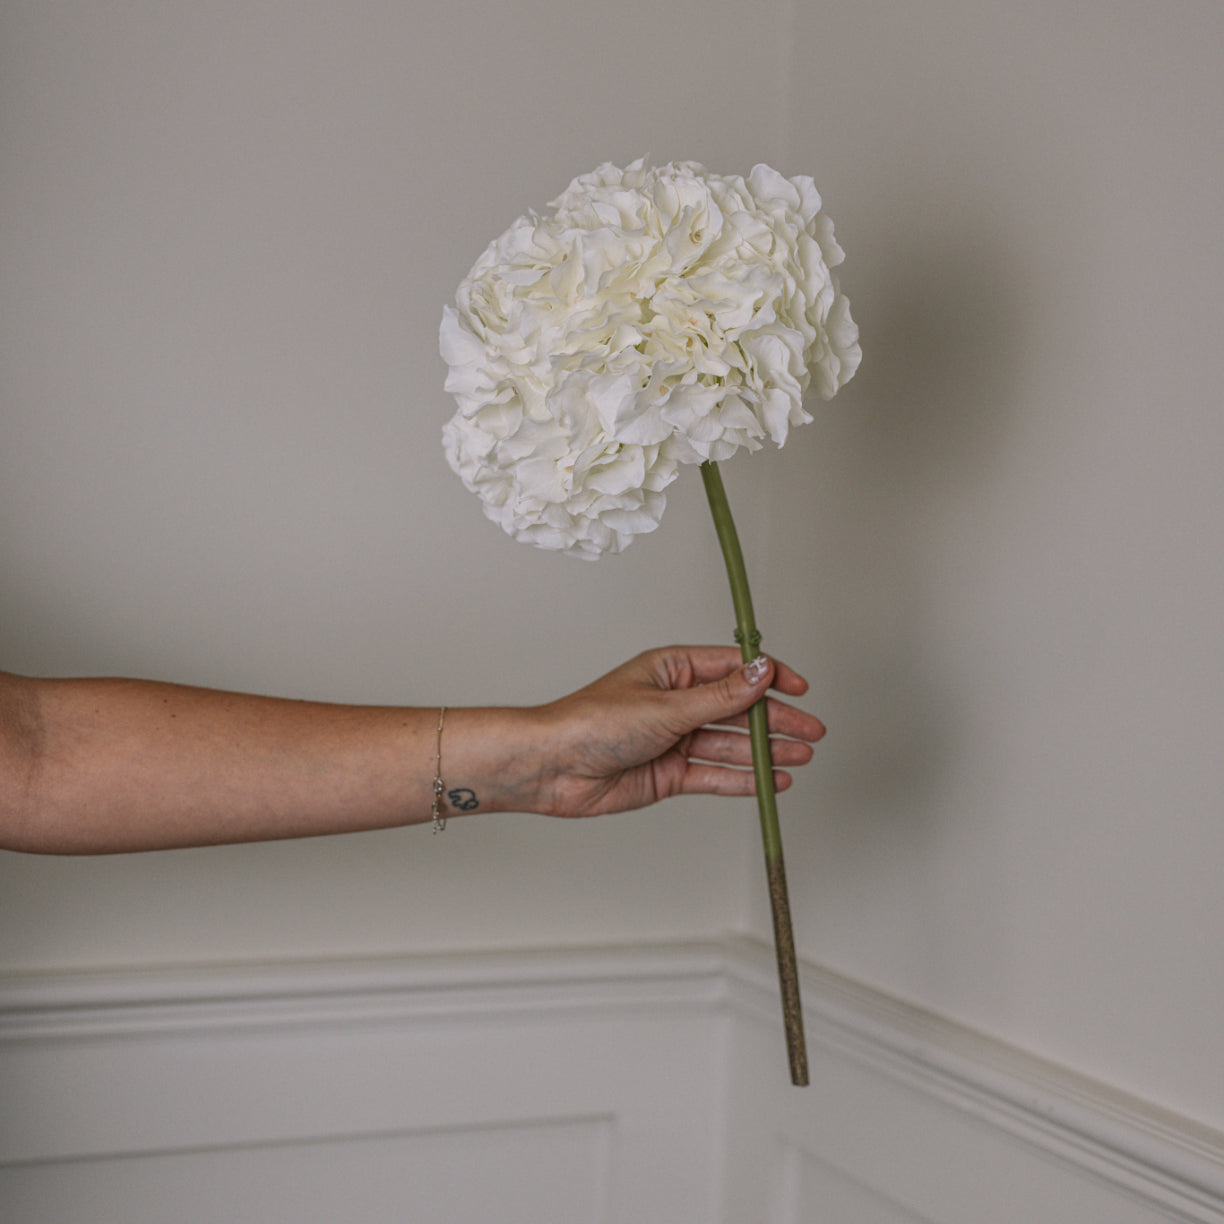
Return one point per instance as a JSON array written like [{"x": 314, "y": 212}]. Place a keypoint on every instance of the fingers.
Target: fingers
[
  {"x": 784, "y": 719},
  {"x": 719, "y": 763},
  {"x": 735, "y": 748},
  {"x": 684, "y": 666},
  {"x": 733, "y": 691},
  {"x": 788, "y": 681},
  {"x": 703, "y": 779},
  {"x": 708, "y": 685}
]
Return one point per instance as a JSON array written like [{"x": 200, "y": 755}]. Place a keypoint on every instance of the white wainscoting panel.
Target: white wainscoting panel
[
  {"x": 810, "y": 1189},
  {"x": 576, "y": 1087},
  {"x": 609, "y": 1086},
  {"x": 542, "y": 1171},
  {"x": 912, "y": 1118}
]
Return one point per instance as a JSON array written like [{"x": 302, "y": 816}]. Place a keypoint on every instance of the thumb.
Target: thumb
[{"x": 733, "y": 694}]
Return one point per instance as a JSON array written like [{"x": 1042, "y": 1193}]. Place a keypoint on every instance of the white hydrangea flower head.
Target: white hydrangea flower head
[{"x": 653, "y": 317}]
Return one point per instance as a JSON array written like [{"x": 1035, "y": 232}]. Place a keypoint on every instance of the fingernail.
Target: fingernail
[{"x": 754, "y": 672}]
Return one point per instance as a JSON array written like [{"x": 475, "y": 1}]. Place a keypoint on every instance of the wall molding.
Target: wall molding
[
  {"x": 1171, "y": 1161},
  {"x": 697, "y": 1008},
  {"x": 452, "y": 987}
]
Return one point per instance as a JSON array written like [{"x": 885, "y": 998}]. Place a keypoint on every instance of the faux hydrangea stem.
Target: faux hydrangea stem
[{"x": 749, "y": 639}]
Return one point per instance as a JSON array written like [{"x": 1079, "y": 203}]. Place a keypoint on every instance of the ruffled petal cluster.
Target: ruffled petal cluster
[{"x": 653, "y": 317}]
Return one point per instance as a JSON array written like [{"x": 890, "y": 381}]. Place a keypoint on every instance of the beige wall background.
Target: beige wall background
[{"x": 226, "y": 235}]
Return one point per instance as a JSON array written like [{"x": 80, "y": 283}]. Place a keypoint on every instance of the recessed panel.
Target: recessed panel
[{"x": 513, "y": 1174}]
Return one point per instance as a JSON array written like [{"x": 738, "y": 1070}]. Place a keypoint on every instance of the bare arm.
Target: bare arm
[{"x": 97, "y": 766}]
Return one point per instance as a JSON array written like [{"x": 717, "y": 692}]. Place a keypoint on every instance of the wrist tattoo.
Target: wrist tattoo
[{"x": 462, "y": 799}]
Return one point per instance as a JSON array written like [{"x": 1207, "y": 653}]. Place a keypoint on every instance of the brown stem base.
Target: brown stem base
[{"x": 788, "y": 971}]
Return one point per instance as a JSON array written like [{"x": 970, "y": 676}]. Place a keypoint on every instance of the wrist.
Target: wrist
[{"x": 492, "y": 761}]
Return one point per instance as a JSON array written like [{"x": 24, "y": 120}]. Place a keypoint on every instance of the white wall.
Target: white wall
[
  {"x": 226, "y": 234},
  {"x": 1001, "y": 552}
]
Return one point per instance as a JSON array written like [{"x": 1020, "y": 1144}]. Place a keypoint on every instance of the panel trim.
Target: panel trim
[
  {"x": 106, "y": 1003},
  {"x": 1166, "y": 1160},
  {"x": 1171, "y": 1161}
]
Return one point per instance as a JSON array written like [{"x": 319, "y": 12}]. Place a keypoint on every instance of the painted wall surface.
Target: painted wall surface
[
  {"x": 226, "y": 234},
  {"x": 1010, "y": 589}
]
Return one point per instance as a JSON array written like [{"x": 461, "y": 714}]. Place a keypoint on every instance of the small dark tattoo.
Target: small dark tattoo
[{"x": 462, "y": 799}]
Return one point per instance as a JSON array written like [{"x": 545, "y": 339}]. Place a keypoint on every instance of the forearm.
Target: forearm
[{"x": 121, "y": 765}]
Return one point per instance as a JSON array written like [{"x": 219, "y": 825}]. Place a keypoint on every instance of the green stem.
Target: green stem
[{"x": 749, "y": 639}]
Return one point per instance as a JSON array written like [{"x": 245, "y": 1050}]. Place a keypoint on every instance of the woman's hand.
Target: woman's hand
[{"x": 669, "y": 722}]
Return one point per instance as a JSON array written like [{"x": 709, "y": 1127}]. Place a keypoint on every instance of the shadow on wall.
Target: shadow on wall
[
  {"x": 896, "y": 485},
  {"x": 943, "y": 323}
]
